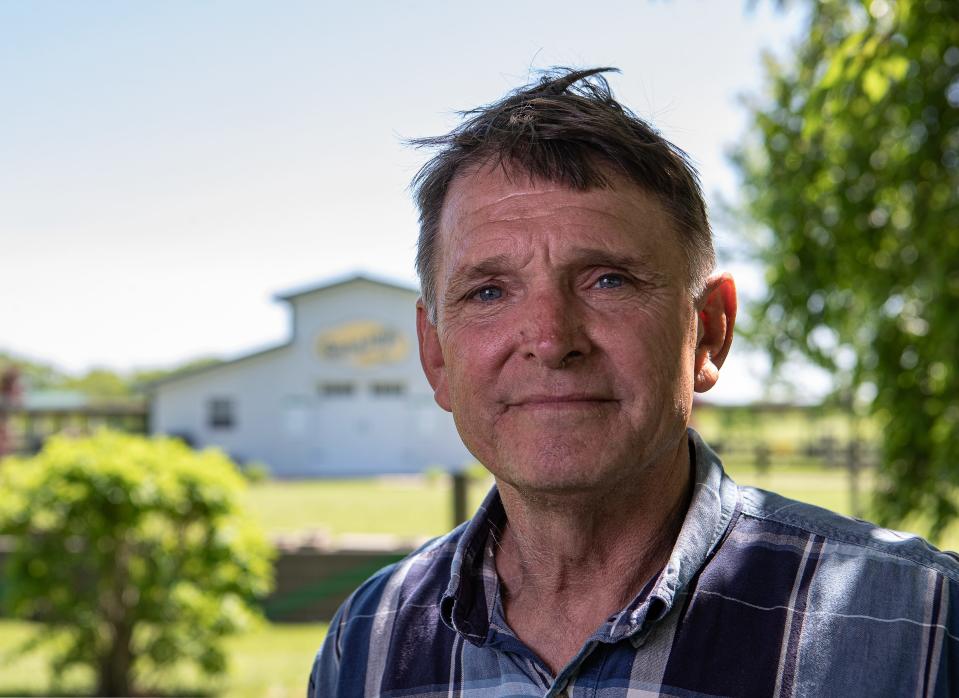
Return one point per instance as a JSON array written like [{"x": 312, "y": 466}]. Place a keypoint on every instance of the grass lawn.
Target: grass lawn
[
  {"x": 828, "y": 488},
  {"x": 408, "y": 507},
  {"x": 270, "y": 662}
]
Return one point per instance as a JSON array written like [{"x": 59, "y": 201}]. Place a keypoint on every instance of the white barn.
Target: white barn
[{"x": 344, "y": 396}]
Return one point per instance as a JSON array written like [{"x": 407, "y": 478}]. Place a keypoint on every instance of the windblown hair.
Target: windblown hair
[{"x": 565, "y": 128}]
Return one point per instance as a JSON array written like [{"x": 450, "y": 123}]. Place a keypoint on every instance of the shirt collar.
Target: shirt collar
[
  {"x": 471, "y": 594},
  {"x": 712, "y": 509}
]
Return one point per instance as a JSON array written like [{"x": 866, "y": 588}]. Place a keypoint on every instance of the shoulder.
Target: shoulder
[
  {"x": 375, "y": 623},
  {"x": 422, "y": 576},
  {"x": 824, "y": 603},
  {"x": 403, "y": 614},
  {"x": 843, "y": 537}
]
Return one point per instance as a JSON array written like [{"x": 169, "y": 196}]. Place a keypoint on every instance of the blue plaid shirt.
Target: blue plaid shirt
[{"x": 762, "y": 596}]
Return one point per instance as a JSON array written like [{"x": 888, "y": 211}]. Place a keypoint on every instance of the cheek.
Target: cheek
[
  {"x": 476, "y": 348},
  {"x": 657, "y": 364},
  {"x": 471, "y": 367}
]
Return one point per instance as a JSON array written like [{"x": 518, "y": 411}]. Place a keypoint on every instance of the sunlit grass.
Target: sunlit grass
[
  {"x": 272, "y": 661},
  {"x": 408, "y": 507}
]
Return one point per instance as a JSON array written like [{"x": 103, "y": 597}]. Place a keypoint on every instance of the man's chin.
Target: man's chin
[{"x": 556, "y": 477}]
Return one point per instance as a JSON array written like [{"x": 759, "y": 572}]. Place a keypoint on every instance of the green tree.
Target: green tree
[
  {"x": 100, "y": 383},
  {"x": 134, "y": 552},
  {"x": 852, "y": 169},
  {"x": 141, "y": 379},
  {"x": 38, "y": 375},
  {"x": 97, "y": 383}
]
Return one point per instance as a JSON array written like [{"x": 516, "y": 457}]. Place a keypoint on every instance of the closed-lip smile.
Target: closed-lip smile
[{"x": 559, "y": 401}]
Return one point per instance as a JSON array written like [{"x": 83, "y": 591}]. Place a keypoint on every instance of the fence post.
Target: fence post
[
  {"x": 460, "y": 487},
  {"x": 761, "y": 455},
  {"x": 852, "y": 465}
]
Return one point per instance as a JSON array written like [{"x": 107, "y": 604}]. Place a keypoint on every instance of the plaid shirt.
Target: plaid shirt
[{"x": 762, "y": 596}]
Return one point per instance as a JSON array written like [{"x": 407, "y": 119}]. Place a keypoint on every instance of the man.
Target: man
[{"x": 569, "y": 312}]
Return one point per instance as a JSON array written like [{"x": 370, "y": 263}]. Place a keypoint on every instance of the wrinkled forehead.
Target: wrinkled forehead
[
  {"x": 492, "y": 182},
  {"x": 486, "y": 203},
  {"x": 494, "y": 196}
]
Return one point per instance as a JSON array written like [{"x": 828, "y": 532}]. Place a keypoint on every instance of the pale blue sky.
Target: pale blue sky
[{"x": 169, "y": 166}]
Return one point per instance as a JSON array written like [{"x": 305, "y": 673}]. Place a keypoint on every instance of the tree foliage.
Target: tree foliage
[
  {"x": 853, "y": 172},
  {"x": 100, "y": 384},
  {"x": 133, "y": 551},
  {"x": 37, "y": 374},
  {"x": 97, "y": 383}
]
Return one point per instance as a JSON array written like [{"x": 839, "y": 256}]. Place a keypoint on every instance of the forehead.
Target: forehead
[{"x": 489, "y": 209}]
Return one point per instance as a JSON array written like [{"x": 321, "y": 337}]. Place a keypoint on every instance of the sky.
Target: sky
[{"x": 169, "y": 167}]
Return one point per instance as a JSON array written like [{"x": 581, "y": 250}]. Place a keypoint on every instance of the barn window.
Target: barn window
[
  {"x": 336, "y": 389},
  {"x": 387, "y": 389},
  {"x": 222, "y": 413}
]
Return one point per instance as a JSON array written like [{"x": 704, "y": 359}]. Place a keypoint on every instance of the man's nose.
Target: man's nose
[{"x": 553, "y": 332}]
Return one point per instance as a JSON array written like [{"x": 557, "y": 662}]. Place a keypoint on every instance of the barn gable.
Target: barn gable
[{"x": 345, "y": 395}]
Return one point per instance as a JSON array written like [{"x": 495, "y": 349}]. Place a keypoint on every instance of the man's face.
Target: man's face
[{"x": 565, "y": 343}]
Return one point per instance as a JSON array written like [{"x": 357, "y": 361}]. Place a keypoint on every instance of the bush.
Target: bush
[
  {"x": 133, "y": 551},
  {"x": 255, "y": 472}
]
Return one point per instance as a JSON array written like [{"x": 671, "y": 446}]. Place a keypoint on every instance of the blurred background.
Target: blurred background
[{"x": 206, "y": 232}]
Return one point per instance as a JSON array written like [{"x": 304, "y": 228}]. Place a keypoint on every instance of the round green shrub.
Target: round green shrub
[{"x": 133, "y": 551}]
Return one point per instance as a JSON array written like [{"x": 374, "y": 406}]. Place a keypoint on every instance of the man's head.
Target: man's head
[
  {"x": 566, "y": 128},
  {"x": 568, "y": 312}
]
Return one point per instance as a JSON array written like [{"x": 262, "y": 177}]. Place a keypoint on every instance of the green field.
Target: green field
[
  {"x": 273, "y": 661},
  {"x": 406, "y": 507},
  {"x": 270, "y": 662}
]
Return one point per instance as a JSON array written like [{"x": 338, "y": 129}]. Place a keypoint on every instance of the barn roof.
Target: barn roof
[{"x": 328, "y": 284}]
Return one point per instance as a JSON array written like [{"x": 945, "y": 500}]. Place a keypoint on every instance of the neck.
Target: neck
[{"x": 581, "y": 557}]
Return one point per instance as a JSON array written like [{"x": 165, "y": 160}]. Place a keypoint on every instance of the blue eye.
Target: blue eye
[
  {"x": 610, "y": 281},
  {"x": 488, "y": 293}
]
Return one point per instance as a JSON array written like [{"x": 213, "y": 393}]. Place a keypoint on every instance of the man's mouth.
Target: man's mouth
[{"x": 562, "y": 401}]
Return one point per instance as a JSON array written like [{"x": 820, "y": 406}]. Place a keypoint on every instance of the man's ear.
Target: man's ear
[
  {"x": 716, "y": 318},
  {"x": 431, "y": 356}
]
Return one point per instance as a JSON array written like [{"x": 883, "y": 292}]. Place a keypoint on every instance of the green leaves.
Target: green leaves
[
  {"x": 133, "y": 547},
  {"x": 853, "y": 169},
  {"x": 879, "y": 77}
]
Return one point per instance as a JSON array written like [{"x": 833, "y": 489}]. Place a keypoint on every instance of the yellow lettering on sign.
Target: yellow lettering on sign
[{"x": 363, "y": 343}]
